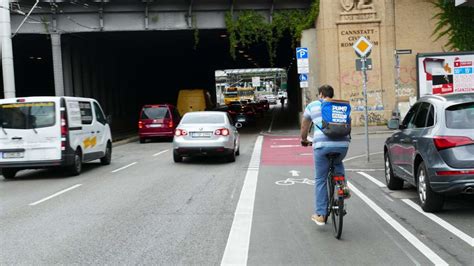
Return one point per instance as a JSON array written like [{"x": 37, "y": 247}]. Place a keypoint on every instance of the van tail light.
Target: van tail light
[
  {"x": 140, "y": 124},
  {"x": 446, "y": 142},
  {"x": 170, "y": 124},
  {"x": 222, "y": 132},
  {"x": 180, "y": 132},
  {"x": 64, "y": 130}
]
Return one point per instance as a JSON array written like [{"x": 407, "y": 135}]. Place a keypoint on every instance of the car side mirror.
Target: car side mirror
[
  {"x": 393, "y": 124},
  {"x": 238, "y": 125},
  {"x": 109, "y": 119}
]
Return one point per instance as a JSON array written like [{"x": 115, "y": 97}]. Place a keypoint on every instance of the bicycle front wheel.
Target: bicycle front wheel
[{"x": 337, "y": 216}]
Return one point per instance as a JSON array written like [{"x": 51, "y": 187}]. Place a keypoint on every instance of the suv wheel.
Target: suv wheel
[
  {"x": 430, "y": 201},
  {"x": 393, "y": 182},
  {"x": 9, "y": 173}
]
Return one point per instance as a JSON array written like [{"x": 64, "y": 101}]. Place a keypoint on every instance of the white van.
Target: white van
[{"x": 43, "y": 132}]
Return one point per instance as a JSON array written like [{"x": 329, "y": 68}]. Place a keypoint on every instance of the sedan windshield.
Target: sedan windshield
[
  {"x": 203, "y": 119},
  {"x": 460, "y": 116}
]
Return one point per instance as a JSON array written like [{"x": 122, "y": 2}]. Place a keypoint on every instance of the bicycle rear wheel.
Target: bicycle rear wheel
[
  {"x": 337, "y": 216},
  {"x": 330, "y": 188}
]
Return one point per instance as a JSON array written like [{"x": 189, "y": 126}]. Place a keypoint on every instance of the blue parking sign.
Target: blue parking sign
[
  {"x": 301, "y": 53},
  {"x": 303, "y": 77}
]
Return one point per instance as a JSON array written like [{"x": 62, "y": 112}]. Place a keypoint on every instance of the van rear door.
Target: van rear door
[{"x": 30, "y": 130}]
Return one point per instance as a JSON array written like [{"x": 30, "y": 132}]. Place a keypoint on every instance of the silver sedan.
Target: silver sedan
[{"x": 206, "y": 133}]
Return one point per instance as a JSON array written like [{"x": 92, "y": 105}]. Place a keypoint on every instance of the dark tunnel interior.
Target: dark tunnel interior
[{"x": 125, "y": 70}]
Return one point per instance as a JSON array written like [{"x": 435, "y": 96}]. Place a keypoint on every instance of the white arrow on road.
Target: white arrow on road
[{"x": 295, "y": 173}]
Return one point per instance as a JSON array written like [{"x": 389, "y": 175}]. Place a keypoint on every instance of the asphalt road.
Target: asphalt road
[{"x": 145, "y": 209}]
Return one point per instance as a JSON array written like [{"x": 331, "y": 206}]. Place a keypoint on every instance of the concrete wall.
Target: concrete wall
[
  {"x": 308, "y": 39},
  {"x": 389, "y": 25}
]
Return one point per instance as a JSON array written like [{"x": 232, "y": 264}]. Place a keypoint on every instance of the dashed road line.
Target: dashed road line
[
  {"x": 375, "y": 181},
  {"x": 237, "y": 248},
  {"x": 123, "y": 168},
  {"x": 425, "y": 250},
  {"x": 161, "y": 152},
  {"x": 55, "y": 195},
  {"x": 463, "y": 236}
]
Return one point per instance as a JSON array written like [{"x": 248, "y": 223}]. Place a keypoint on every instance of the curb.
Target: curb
[{"x": 125, "y": 141}]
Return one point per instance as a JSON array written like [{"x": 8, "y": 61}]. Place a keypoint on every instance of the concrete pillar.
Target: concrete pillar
[
  {"x": 67, "y": 67},
  {"x": 7, "y": 50},
  {"x": 308, "y": 39},
  {"x": 57, "y": 64}
]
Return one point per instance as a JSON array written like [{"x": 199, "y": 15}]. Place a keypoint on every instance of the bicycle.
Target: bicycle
[
  {"x": 336, "y": 208},
  {"x": 335, "y": 182}
]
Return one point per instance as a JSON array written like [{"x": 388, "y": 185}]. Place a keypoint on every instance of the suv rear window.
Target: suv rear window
[
  {"x": 27, "y": 115},
  {"x": 155, "y": 113},
  {"x": 460, "y": 116}
]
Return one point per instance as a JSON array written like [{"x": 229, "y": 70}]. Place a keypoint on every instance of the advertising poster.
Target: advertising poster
[{"x": 445, "y": 73}]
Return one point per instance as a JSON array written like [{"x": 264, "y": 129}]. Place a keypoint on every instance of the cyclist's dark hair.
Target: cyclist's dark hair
[{"x": 326, "y": 91}]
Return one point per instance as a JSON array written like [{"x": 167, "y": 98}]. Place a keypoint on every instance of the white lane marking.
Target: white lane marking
[
  {"x": 161, "y": 152},
  {"x": 55, "y": 195},
  {"x": 273, "y": 119},
  {"x": 387, "y": 197},
  {"x": 294, "y": 173},
  {"x": 430, "y": 254},
  {"x": 125, "y": 167},
  {"x": 284, "y": 146},
  {"x": 375, "y": 181},
  {"x": 237, "y": 248},
  {"x": 360, "y": 156},
  {"x": 463, "y": 236}
]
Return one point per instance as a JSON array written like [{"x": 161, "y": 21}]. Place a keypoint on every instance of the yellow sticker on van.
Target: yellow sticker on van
[{"x": 90, "y": 142}]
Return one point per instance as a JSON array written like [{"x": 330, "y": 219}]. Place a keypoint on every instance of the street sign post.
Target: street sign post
[
  {"x": 302, "y": 60},
  {"x": 359, "y": 64},
  {"x": 362, "y": 48}
]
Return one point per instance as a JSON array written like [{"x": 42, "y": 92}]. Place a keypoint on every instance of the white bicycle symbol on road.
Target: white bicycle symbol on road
[{"x": 291, "y": 181}]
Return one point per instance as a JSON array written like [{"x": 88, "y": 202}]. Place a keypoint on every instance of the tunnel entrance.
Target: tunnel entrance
[{"x": 125, "y": 70}]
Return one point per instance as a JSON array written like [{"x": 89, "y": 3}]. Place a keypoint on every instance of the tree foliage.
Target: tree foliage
[
  {"x": 456, "y": 23},
  {"x": 250, "y": 27}
]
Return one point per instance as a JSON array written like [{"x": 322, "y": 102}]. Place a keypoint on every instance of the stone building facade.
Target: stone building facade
[{"x": 389, "y": 25}]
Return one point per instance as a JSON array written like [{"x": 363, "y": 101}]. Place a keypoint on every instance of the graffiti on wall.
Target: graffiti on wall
[{"x": 375, "y": 118}]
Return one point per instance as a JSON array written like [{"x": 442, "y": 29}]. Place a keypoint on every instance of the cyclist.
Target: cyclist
[{"x": 322, "y": 145}]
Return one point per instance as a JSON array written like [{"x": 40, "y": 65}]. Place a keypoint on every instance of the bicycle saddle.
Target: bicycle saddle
[{"x": 333, "y": 155}]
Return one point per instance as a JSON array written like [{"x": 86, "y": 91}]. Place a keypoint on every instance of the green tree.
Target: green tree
[{"x": 456, "y": 23}]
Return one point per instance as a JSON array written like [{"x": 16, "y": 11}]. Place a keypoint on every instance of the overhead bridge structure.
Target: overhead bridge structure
[{"x": 126, "y": 53}]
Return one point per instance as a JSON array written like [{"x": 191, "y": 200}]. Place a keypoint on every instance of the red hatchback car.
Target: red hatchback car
[{"x": 158, "y": 120}]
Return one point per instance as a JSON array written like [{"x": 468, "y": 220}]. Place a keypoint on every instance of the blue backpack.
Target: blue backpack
[{"x": 336, "y": 115}]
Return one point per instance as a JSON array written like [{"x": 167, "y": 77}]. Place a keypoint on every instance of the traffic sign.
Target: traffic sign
[
  {"x": 304, "y": 84},
  {"x": 368, "y": 64},
  {"x": 301, "y": 53},
  {"x": 403, "y": 51},
  {"x": 362, "y": 46},
  {"x": 303, "y": 70},
  {"x": 303, "y": 77},
  {"x": 302, "y": 62}
]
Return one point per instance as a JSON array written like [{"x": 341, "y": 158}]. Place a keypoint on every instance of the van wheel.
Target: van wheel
[
  {"x": 108, "y": 155},
  {"x": 177, "y": 158},
  {"x": 430, "y": 201},
  {"x": 9, "y": 173},
  {"x": 76, "y": 168}
]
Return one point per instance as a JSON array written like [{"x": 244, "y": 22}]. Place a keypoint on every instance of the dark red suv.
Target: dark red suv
[{"x": 158, "y": 120}]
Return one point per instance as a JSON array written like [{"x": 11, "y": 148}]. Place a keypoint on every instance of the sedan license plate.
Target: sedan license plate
[
  {"x": 241, "y": 119},
  {"x": 12, "y": 155},
  {"x": 201, "y": 135},
  {"x": 155, "y": 125}
]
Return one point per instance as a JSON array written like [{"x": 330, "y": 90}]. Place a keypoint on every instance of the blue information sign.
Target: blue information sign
[
  {"x": 303, "y": 77},
  {"x": 301, "y": 53}
]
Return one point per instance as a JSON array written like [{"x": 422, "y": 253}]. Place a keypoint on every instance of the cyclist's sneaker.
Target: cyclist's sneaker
[{"x": 318, "y": 219}]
